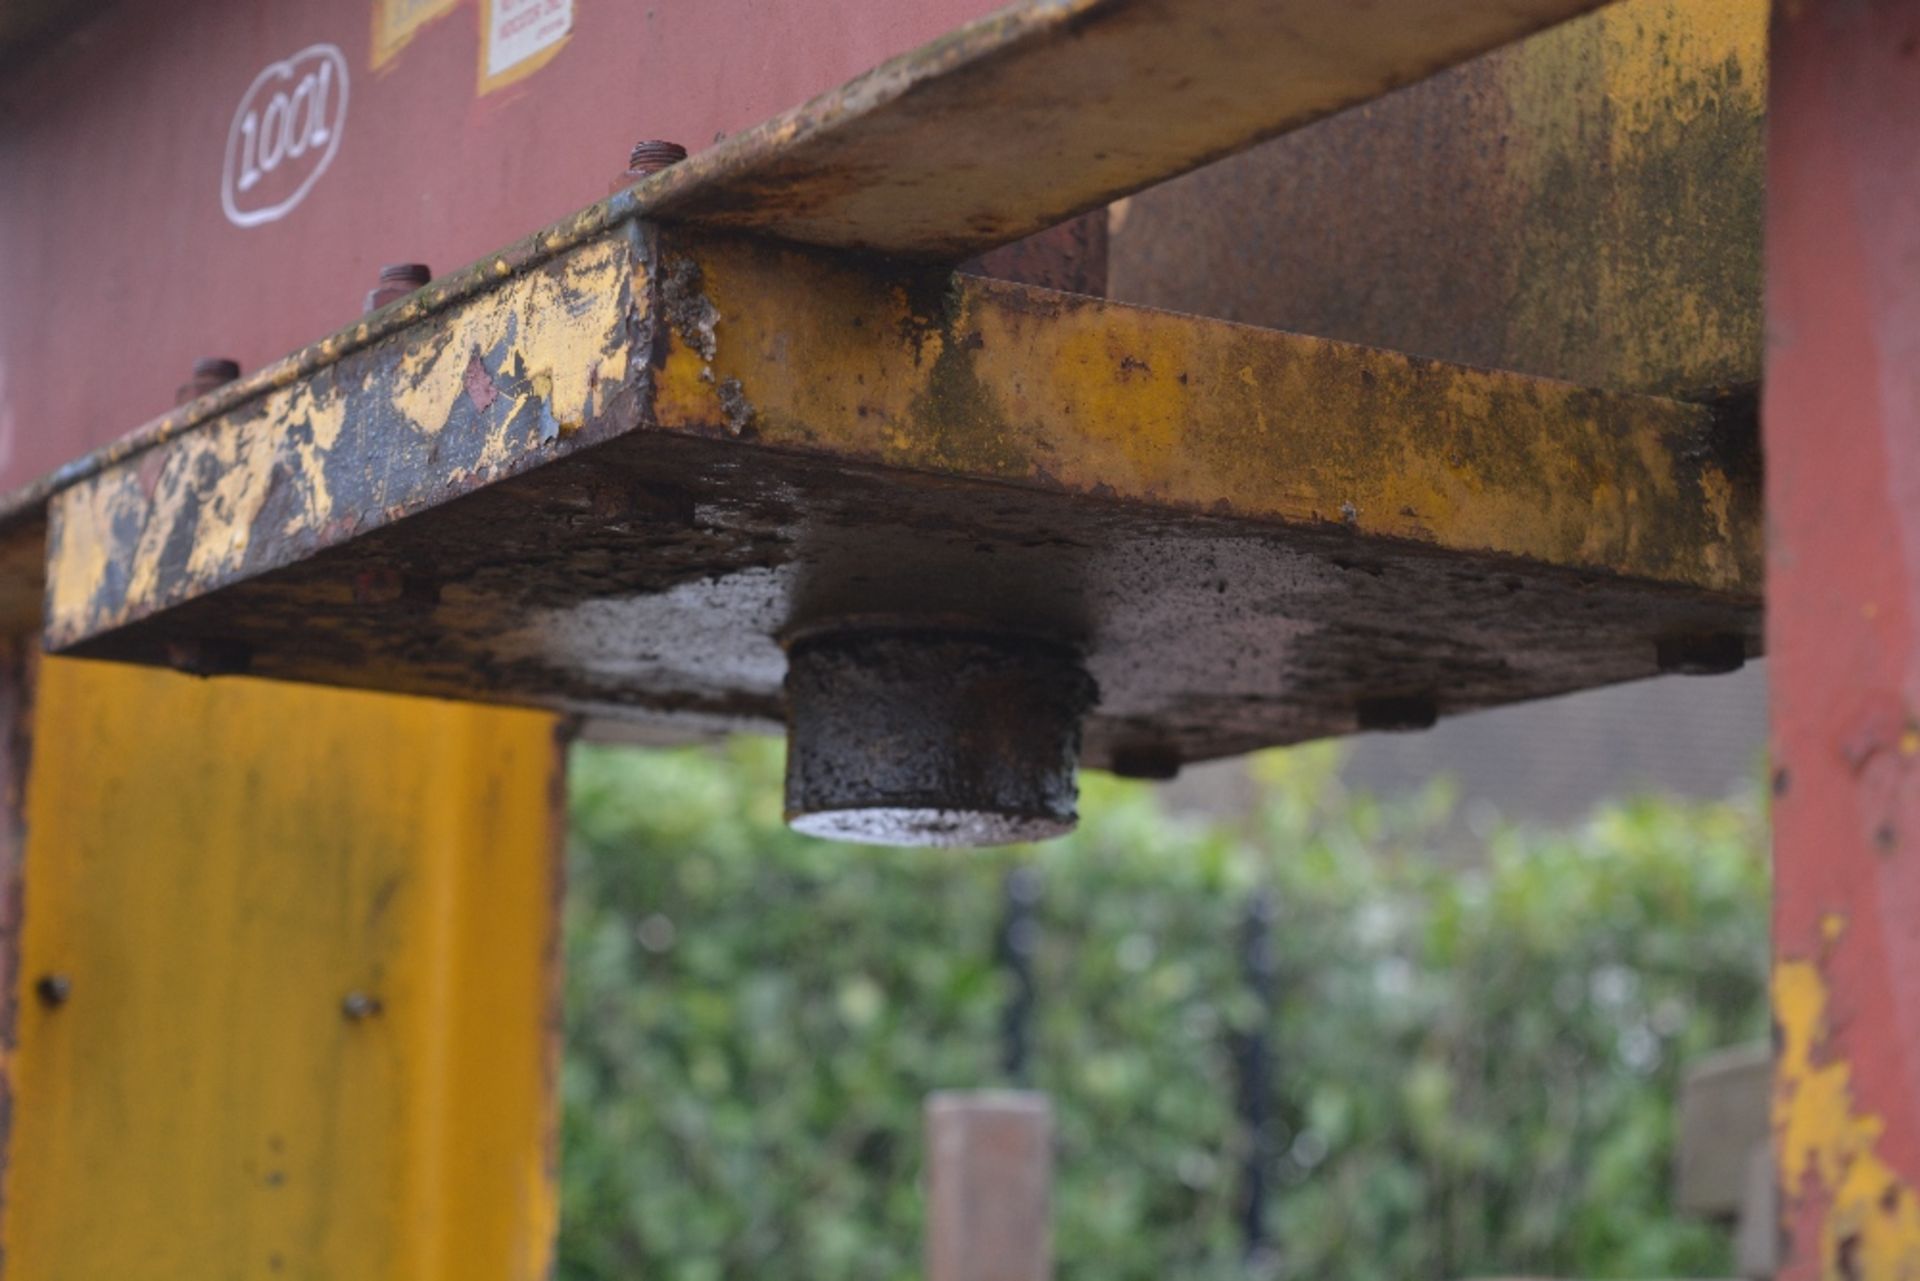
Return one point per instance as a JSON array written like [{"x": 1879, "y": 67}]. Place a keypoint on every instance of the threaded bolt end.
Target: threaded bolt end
[
  {"x": 209, "y": 373},
  {"x": 653, "y": 155},
  {"x": 411, "y": 274},
  {"x": 215, "y": 370},
  {"x": 397, "y": 280}
]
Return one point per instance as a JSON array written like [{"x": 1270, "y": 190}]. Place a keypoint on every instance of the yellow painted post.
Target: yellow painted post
[{"x": 286, "y": 985}]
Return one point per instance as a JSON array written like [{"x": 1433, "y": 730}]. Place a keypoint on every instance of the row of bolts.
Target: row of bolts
[{"x": 397, "y": 280}]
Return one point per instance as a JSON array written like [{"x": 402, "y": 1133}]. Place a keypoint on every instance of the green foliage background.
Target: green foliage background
[{"x": 1474, "y": 1070}]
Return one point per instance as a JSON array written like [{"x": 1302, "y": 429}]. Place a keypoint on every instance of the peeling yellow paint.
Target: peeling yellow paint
[
  {"x": 226, "y": 522},
  {"x": 323, "y": 423},
  {"x": 541, "y": 322},
  {"x": 1825, "y": 1147},
  {"x": 566, "y": 327},
  {"x": 797, "y": 349},
  {"x": 80, "y": 527}
]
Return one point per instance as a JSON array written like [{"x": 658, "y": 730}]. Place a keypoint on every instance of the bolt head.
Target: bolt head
[
  {"x": 209, "y": 373},
  {"x": 357, "y": 1006},
  {"x": 216, "y": 369},
  {"x": 397, "y": 280}
]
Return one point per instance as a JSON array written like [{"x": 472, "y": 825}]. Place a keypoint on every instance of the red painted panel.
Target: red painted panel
[
  {"x": 1842, "y": 437},
  {"x": 118, "y": 265}
]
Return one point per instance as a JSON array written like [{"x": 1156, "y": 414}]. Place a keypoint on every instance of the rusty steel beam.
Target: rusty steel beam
[
  {"x": 1842, "y": 429},
  {"x": 1049, "y": 108},
  {"x": 609, "y": 472}
]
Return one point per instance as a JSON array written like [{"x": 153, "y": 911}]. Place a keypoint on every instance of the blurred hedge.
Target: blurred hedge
[{"x": 1473, "y": 1071}]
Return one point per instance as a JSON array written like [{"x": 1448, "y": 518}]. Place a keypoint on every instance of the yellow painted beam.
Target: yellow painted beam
[
  {"x": 286, "y": 986},
  {"x": 775, "y": 347},
  {"x": 456, "y": 510},
  {"x": 799, "y": 350}
]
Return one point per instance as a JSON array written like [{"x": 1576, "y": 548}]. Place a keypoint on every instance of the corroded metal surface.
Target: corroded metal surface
[
  {"x": 1583, "y": 205},
  {"x": 608, "y": 482},
  {"x": 1843, "y": 442},
  {"x": 509, "y": 381},
  {"x": 905, "y": 733}
]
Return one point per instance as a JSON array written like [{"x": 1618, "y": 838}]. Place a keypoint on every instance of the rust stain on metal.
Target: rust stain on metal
[
  {"x": 480, "y": 388},
  {"x": 1105, "y": 97},
  {"x": 527, "y": 255},
  {"x": 1071, "y": 257},
  {"x": 1842, "y": 437}
]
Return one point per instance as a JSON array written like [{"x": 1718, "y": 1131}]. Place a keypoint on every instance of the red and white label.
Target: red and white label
[{"x": 521, "y": 29}]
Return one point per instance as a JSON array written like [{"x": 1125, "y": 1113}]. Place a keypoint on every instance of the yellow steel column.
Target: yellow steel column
[{"x": 286, "y": 985}]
